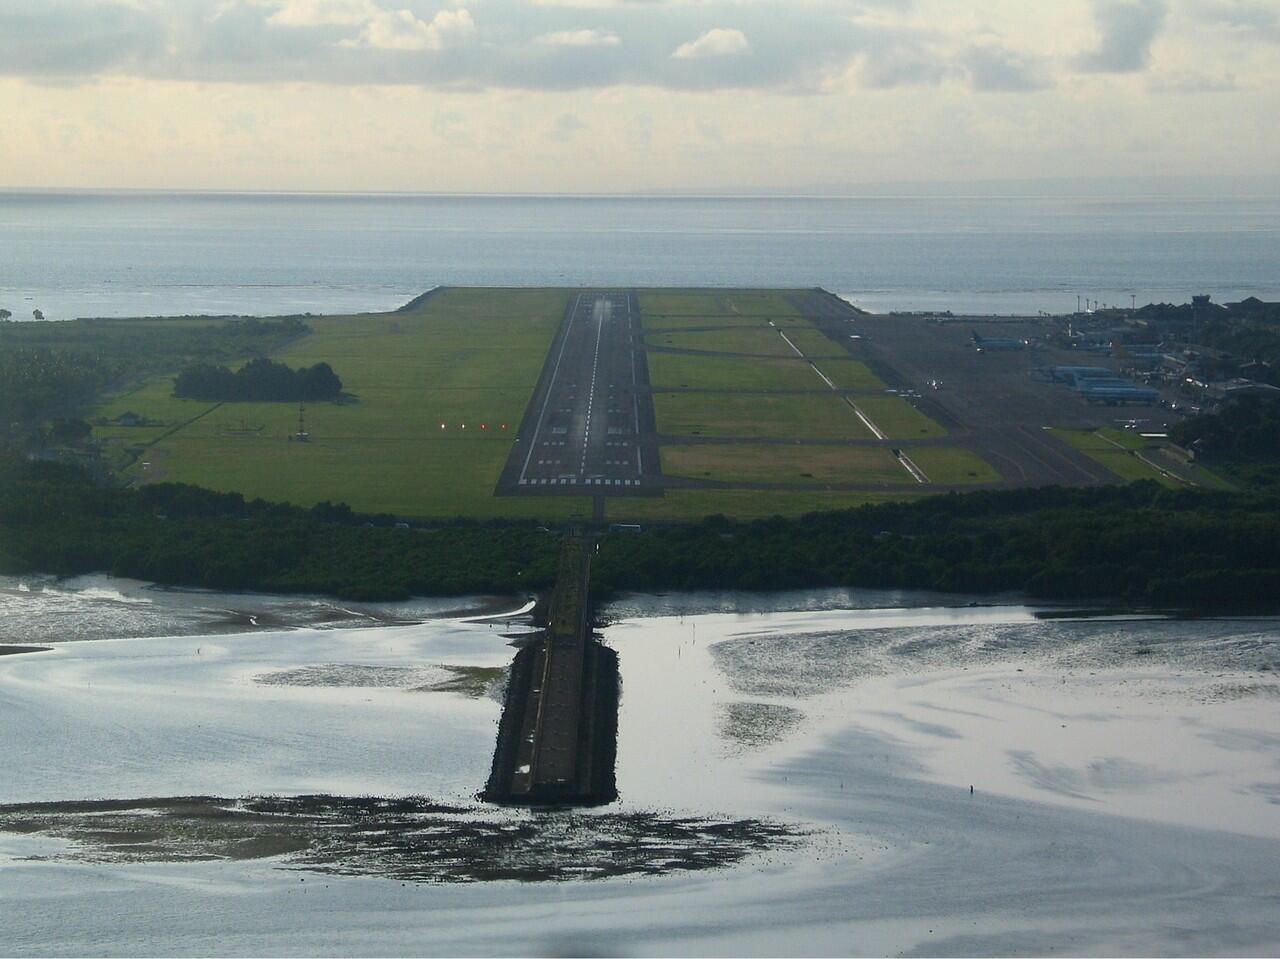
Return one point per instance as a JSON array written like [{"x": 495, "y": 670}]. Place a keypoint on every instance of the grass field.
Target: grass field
[
  {"x": 658, "y": 306},
  {"x": 421, "y": 433},
  {"x": 950, "y": 465},
  {"x": 820, "y": 416},
  {"x": 1115, "y": 450},
  {"x": 679, "y": 370},
  {"x": 753, "y": 463},
  {"x": 851, "y": 375},
  {"x": 758, "y": 341},
  {"x": 813, "y": 343},
  {"x": 464, "y": 357},
  {"x": 898, "y": 419}
]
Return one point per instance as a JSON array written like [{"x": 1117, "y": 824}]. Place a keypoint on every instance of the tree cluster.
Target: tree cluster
[
  {"x": 1140, "y": 544},
  {"x": 1246, "y": 430},
  {"x": 259, "y": 380},
  {"x": 37, "y": 382},
  {"x": 49, "y": 369}
]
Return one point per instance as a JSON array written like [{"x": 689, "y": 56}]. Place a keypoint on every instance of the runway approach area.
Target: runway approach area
[{"x": 589, "y": 427}]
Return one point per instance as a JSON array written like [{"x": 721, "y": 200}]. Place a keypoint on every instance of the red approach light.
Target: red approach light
[
  {"x": 483, "y": 427},
  {"x": 504, "y": 426}
]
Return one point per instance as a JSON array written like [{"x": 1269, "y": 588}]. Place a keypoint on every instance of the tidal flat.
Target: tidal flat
[{"x": 828, "y": 773}]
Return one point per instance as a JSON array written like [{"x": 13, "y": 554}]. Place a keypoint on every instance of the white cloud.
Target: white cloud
[
  {"x": 402, "y": 30},
  {"x": 717, "y": 42},
  {"x": 321, "y": 13},
  {"x": 581, "y": 38},
  {"x": 1193, "y": 81}
]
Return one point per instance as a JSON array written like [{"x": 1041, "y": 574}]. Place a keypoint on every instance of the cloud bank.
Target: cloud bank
[{"x": 790, "y": 45}]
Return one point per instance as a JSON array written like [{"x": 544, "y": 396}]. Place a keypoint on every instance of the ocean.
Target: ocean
[{"x": 132, "y": 254}]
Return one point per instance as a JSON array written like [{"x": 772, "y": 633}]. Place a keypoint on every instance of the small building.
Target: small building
[{"x": 130, "y": 418}]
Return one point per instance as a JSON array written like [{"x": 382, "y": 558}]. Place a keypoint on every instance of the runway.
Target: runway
[{"x": 589, "y": 427}]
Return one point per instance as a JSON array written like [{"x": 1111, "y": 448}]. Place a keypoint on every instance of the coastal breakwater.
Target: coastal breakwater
[{"x": 557, "y": 738}]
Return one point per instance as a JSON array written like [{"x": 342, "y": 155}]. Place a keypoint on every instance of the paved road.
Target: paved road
[{"x": 586, "y": 428}]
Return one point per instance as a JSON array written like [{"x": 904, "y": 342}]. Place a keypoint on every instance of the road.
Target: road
[{"x": 587, "y": 428}]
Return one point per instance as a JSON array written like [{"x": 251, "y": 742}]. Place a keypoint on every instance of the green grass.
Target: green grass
[
  {"x": 465, "y": 356},
  {"x": 691, "y": 505},
  {"x": 949, "y": 465},
  {"x": 1129, "y": 439},
  {"x": 898, "y": 419},
  {"x": 819, "y": 416},
  {"x": 675, "y": 370},
  {"x": 748, "y": 463},
  {"x": 814, "y": 344},
  {"x": 667, "y": 324},
  {"x": 851, "y": 375},
  {"x": 473, "y": 357},
  {"x": 716, "y": 303},
  {"x": 758, "y": 341},
  {"x": 1122, "y": 462}
]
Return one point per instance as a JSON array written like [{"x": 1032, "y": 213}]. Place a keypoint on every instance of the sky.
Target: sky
[{"x": 591, "y": 96}]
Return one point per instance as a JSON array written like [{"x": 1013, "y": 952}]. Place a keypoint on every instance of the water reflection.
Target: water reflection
[{"x": 409, "y": 839}]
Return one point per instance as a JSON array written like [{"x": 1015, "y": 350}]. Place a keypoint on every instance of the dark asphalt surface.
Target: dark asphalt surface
[
  {"x": 588, "y": 429},
  {"x": 989, "y": 402}
]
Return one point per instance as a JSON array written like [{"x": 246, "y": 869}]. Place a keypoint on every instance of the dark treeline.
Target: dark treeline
[
  {"x": 53, "y": 368},
  {"x": 1136, "y": 544},
  {"x": 1244, "y": 430},
  {"x": 258, "y": 380},
  {"x": 53, "y": 520},
  {"x": 37, "y": 381},
  {"x": 1140, "y": 543}
]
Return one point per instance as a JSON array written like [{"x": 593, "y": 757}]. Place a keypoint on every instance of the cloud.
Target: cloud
[
  {"x": 716, "y": 42},
  {"x": 1246, "y": 17},
  {"x": 53, "y": 38},
  {"x": 566, "y": 127},
  {"x": 1193, "y": 82},
  {"x": 1127, "y": 29},
  {"x": 994, "y": 68},
  {"x": 902, "y": 63},
  {"x": 581, "y": 38},
  {"x": 402, "y": 30},
  {"x": 814, "y": 46},
  {"x": 315, "y": 13}
]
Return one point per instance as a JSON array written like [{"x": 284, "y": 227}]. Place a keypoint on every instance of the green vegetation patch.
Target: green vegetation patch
[
  {"x": 897, "y": 418},
  {"x": 712, "y": 303},
  {"x": 851, "y": 375},
  {"x": 816, "y": 416},
  {"x": 753, "y": 463},
  {"x": 816, "y": 344},
  {"x": 462, "y": 358},
  {"x": 691, "y": 505},
  {"x": 757, "y": 341},
  {"x": 676, "y": 370},
  {"x": 1119, "y": 458},
  {"x": 951, "y": 465}
]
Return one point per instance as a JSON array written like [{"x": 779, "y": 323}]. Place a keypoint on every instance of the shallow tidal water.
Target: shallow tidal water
[{"x": 792, "y": 780}]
